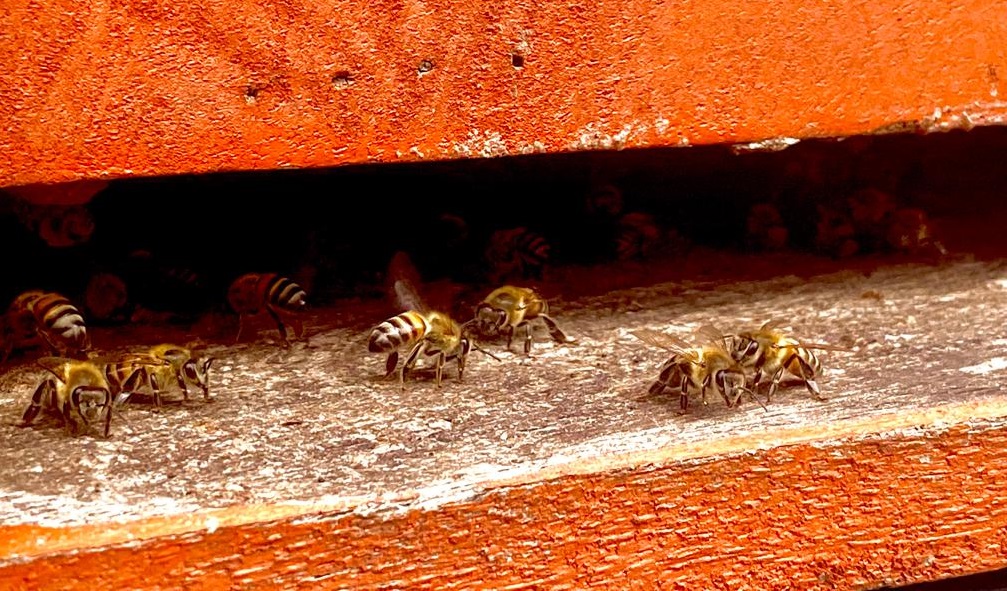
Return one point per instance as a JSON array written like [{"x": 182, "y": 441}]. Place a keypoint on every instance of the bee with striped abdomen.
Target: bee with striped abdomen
[
  {"x": 423, "y": 331},
  {"x": 77, "y": 391},
  {"x": 516, "y": 253},
  {"x": 509, "y": 308},
  {"x": 695, "y": 370},
  {"x": 281, "y": 298},
  {"x": 770, "y": 353},
  {"x": 158, "y": 368},
  {"x": 48, "y": 316}
]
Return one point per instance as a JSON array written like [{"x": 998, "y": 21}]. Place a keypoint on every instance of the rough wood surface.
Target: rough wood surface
[
  {"x": 553, "y": 460},
  {"x": 110, "y": 90}
]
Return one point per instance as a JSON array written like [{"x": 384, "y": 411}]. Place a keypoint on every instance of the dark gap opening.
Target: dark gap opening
[{"x": 611, "y": 220}]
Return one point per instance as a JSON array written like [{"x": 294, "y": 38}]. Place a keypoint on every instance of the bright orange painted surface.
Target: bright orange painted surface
[
  {"x": 854, "y": 515},
  {"x": 114, "y": 89}
]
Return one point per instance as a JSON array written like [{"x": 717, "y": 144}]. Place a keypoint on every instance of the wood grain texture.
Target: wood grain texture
[
  {"x": 549, "y": 471},
  {"x": 112, "y": 90},
  {"x": 887, "y": 509}
]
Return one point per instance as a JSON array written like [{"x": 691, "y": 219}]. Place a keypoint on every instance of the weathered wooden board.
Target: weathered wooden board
[{"x": 314, "y": 429}]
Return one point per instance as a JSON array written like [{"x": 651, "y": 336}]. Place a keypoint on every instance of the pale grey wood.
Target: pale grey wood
[{"x": 317, "y": 422}]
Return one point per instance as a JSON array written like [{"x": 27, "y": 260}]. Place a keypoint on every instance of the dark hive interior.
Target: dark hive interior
[
  {"x": 178, "y": 242},
  {"x": 824, "y": 234}
]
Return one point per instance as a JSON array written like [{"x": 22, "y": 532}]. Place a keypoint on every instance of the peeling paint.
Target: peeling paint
[
  {"x": 950, "y": 118},
  {"x": 768, "y": 145},
  {"x": 485, "y": 144},
  {"x": 594, "y": 137}
]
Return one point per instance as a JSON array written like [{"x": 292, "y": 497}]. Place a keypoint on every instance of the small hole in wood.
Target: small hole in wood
[
  {"x": 517, "y": 60},
  {"x": 425, "y": 66},
  {"x": 342, "y": 79}
]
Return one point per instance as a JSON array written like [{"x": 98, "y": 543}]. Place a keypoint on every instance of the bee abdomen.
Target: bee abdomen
[
  {"x": 396, "y": 331},
  {"x": 285, "y": 294},
  {"x": 520, "y": 243},
  {"x": 810, "y": 360},
  {"x": 118, "y": 373},
  {"x": 58, "y": 317},
  {"x": 533, "y": 247}
]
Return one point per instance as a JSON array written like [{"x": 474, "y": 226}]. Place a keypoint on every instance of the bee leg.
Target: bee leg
[
  {"x": 152, "y": 380},
  {"x": 702, "y": 390},
  {"x": 555, "y": 332},
  {"x": 280, "y": 326},
  {"x": 466, "y": 347},
  {"x": 439, "y": 369},
  {"x": 510, "y": 336},
  {"x": 683, "y": 397},
  {"x": 775, "y": 383},
  {"x": 808, "y": 375},
  {"x": 410, "y": 361},
  {"x": 391, "y": 363},
  {"x": 108, "y": 413},
  {"x": 298, "y": 326},
  {"x": 241, "y": 328},
  {"x": 183, "y": 386},
  {"x": 656, "y": 389},
  {"x": 68, "y": 423},
  {"x": 36, "y": 403},
  {"x": 527, "y": 337}
]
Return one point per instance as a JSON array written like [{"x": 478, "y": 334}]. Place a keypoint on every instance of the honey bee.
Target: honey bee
[
  {"x": 106, "y": 298},
  {"x": 48, "y": 316},
  {"x": 280, "y": 297},
  {"x": 909, "y": 231},
  {"x": 765, "y": 229},
  {"x": 639, "y": 236},
  {"x": 692, "y": 371},
  {"x": 771, "y": 353},
  {"x": 157, "y": 368},
  {"x": 425, "y": 332},
  {"x": 77, "y": 391},
  {"x": 516, "y": 253},
  {"x": 508, "y": 308}
]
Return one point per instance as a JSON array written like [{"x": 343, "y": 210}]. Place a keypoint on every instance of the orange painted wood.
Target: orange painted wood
[
  {"x": 107, "y": 90},
  {"x": 902, "y": 505}
]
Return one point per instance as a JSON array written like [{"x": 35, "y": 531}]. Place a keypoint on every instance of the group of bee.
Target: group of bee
[
  {"x": 84, "y": 390},
  {"x": 730, "y": 365}
]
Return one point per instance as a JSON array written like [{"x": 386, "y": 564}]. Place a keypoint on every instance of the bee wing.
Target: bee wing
[
  {"x": 770, "y": 324},
  {"x": 662, "y": 340},
  {"x": 818, "y": 346},
  {"x": 402, "y": 280},
  {"x": 138, "y": 358},
  {"x": 54, "y": 365},
  {"x": 711, "y": 333}
]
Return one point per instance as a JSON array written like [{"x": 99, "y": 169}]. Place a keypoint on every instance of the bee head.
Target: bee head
[
  {"x": 91, "y": 403},
  {"x": 732, "y": 383},
  {"x": 197, "y": 372},
  {"x": 488, "y": 320}
]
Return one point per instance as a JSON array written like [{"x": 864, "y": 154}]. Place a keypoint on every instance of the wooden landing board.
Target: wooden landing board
[{"x": 549, "y": 471}]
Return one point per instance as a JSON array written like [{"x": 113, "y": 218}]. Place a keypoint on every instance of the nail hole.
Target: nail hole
[
  {"x": 251, "y": 93},
  {"x": 426, "y": 66},
  {"x": 342, "y": 79},
  {"x": 517, "y": 60}
]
